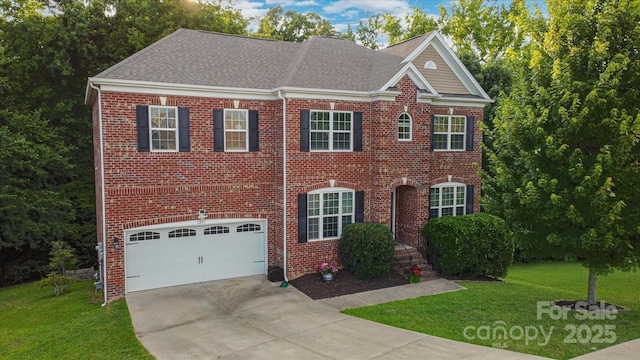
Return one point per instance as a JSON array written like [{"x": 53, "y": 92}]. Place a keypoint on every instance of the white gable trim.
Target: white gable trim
[
  {"x": 447, "y": 54},
  {"x": 415, "y": 76}
]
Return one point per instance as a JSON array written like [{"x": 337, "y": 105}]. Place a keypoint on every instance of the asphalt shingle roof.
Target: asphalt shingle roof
[{"x": 213, "y": 59}]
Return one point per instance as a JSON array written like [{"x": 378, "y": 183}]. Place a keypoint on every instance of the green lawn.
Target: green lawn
[
  {"x": 485, "y": 308},
  {"x": 34, "y": 324}
]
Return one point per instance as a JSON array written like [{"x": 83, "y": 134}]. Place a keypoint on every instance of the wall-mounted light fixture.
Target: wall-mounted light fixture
[
  {"x": 116, "y": 243},
  {"x": 202, "y": 215}
]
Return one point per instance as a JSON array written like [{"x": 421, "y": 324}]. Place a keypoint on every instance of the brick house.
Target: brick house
[{"x": 218, "y": 154}]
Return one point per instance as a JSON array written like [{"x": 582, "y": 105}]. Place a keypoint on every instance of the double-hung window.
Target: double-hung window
[
  {"x": 329, "y": 211},
  {"x": 449, "y": 132},
  {"x": 164, "y": 128},
  {"x": 331, "y": 130},
  {"x": 236, "y": 136},
  {"x": 450, "y": 199}
]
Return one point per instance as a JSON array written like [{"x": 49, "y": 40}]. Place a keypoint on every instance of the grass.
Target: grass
[
  {"x": 37, "y": 325},
  {"x": 485, "y": 308}
]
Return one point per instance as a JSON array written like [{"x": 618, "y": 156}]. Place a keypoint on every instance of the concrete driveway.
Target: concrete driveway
[{"x": 251, "y": 318}]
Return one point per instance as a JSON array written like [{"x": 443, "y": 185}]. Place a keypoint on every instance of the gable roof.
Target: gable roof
[{"x": 222, "y": 61}]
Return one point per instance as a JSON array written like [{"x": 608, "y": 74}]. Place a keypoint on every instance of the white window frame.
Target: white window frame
[
  {"x": 455, "y": 207},
  {"x": 174, "y": 130},
  {"x": 323, "y": 218},
  {"x": 245, "y": 130},
  {"x": 448, "y": 133},
  {"x": 331, "y": 132},
  {"x": 400, "y": 126}
]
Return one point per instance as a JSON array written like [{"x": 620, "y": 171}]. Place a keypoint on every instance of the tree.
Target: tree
[
  {"x": 490, "y": 31},
  {"x": 62, "y": 258},
  {"x": 293, "y": 26},
  {"x": 46, "y": 56},
  {"x": 33, "y": 209},
  {"x": 567, "y": 139}
]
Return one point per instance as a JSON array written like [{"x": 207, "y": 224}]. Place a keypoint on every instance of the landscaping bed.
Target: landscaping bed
[{"x": 344, "y": 283}]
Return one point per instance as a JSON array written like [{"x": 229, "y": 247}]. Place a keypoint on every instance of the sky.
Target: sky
[{"x": 344, "y": 12}]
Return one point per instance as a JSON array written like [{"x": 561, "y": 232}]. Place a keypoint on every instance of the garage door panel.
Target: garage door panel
[{"x": 222, "y": 253}]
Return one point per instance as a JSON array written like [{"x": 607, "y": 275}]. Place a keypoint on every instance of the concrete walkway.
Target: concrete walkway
[{"x": 251, "y": 318}]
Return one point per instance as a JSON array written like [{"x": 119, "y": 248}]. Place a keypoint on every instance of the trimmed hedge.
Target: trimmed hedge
[
  {"x": 470, "y": 245},
  {"x": 367, "y": 249}
]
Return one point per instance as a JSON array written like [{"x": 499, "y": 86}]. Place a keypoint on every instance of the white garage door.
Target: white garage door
[{"x": 184, "y": 253}]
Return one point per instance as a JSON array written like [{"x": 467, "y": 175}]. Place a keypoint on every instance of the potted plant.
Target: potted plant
[{"x": 327, "y": 271}]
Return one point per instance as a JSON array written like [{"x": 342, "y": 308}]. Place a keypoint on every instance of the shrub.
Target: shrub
[
  {"x": 367, "y": 249},
  {"x": 470, "y": 245},
  {"x": 62, "y": 259}
]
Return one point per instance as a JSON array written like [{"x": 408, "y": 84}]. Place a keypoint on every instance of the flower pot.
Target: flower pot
[{"x": 327, "y": 277}]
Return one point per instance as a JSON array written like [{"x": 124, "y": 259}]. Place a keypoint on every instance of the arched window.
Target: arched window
[
  {"x": 144, "y": 235},
  {"x": 248, "y": 228},
  {"x": 216, "y": 230},
  {"x": 182, "y": 233},
  {"x": 404, "y": 127}
]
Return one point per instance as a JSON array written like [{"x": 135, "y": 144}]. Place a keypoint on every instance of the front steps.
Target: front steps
[{"x": 406, "y": 256}]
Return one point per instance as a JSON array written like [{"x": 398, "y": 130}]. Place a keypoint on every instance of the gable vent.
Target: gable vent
[{"x": 430, "y": 65}]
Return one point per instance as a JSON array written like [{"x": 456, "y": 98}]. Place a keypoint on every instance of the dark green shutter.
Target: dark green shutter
[
  {"x": 142, "y": 122},
  {"x": 305, "y": 120},
  {"x": 184, "y": 138},
  {"x": 469, "y": 200},
  {"x": 357, "y": 131},
  {"x": 254, "y": 131},
  {"x": 359, "y": 206},
  {"x": 302, "y": 218},
  {"x": 470, "y": 129},
  {"x": 218, "y": 130},
  {"x": 432, "y": 128}
]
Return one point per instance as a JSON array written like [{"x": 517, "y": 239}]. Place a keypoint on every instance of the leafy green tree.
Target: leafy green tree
[
  {"x": 349, "y": 34},
  {"x": 62, "y": 258},
  {"x": 368, "y": 31},
  {"x": 566, "y": 152},
  {"x": 33, "y": 209},
  {"x": 293, "y": 26},
  {"x": 419, "y": 23},
  {"x": 46, "y": 56},
  {"x": 487, "y": 28}
]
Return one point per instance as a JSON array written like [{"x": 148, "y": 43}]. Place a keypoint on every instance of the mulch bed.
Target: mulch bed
[{"x": 344, "y": 283}]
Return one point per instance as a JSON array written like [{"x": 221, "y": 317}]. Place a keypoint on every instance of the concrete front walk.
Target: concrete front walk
[
  {"x": 251, "y": 318},
  {"x": 380, "y": 296}
]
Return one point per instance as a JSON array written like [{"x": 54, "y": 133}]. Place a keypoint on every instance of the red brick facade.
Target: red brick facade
[{"x": 145, "y": 188}]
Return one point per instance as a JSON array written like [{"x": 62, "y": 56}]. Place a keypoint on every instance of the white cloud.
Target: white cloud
[
  {"x": 250, "y": 8},
  {"x": 395, "y": 7},
  {"x": 284, "y": 3}
]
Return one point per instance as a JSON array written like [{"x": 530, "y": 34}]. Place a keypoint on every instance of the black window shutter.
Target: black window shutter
[
  {"x": 469, "y": 200},
  {"x": 142, "y": 122},
  {"x": 305, "y": 120},
  {"x": 357, "y": 131},
  {"x": 470, "y": 128},
  {"x": 432, "y": 127},
  {"x": 254, "y": 131},
  {"x": 218, "y": 130},
  {"x": 184, "y": 138},
  {"x": 359, "y": 206},
  {"x": 302, "y": 218}
]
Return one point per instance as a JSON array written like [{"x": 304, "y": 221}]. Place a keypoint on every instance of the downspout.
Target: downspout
[
  {"x": 284, "y": 186},
  {"x": 104, "y": 206}
]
